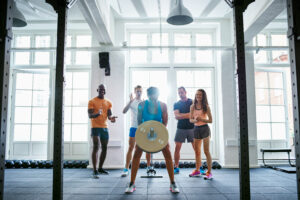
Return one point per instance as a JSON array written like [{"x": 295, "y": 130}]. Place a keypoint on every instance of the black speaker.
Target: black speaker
[
  {"x": 107, "y": 71},
  {"x": 104, "y": 59}
]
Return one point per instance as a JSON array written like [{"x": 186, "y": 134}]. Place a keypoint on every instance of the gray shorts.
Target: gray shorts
[
  {"x": 201, "y": 132},
  {"x": 182, "y": 134}
]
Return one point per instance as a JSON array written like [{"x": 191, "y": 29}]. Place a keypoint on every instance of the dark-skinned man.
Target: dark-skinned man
[{"x": 99, "y": 110}]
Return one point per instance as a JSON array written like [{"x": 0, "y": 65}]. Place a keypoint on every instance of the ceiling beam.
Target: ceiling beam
[
  {"x": 139, "y": 7},
  {"x": 209, "y": 7},
  {"x": 263, "y": 17}
]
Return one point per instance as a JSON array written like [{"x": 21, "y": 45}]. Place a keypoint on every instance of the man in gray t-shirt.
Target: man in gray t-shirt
[
  {"x": 184, "y": 127},
  {"x": 133, "y": 106}
]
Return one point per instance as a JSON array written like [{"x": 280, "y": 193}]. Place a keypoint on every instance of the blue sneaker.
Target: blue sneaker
[
  {"x": 176, "y": 170},
  {"x": 125, "y": 172},
  {"x": 202, "y": 171}
]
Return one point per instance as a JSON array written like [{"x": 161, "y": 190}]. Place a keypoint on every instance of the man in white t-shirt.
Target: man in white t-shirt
[{"x": 133, "y": 106}]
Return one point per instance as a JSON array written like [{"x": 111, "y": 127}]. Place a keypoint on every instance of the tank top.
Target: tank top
[
  {"x": 199, "y": 113},
  {"x": 149, "y": 116}
]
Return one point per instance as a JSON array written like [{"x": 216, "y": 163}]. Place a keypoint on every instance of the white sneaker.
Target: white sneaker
[
  {"x": 95, "y": 174},
  {"x": 174, "y": 188},
  {"x": 125, "y": 173},
  {"x": 130, "y": 189}
]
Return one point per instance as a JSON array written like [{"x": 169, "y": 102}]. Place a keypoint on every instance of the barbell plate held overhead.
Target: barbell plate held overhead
[{"x": 151, "y": 136}]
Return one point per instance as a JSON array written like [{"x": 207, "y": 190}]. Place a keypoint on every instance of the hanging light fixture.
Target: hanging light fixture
[
  {"x": 179, "y": 15},
  {"x": 18, "y": 18}
]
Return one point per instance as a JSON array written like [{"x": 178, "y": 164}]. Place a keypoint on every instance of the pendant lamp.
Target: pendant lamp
[{"x": 179, "y": 15}]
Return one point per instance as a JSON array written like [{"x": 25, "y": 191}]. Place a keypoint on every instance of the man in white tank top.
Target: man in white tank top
[{"x": 133, "y": 106}]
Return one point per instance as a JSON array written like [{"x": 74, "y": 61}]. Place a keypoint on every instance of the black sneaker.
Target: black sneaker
[{"x": 102, "y": 171}]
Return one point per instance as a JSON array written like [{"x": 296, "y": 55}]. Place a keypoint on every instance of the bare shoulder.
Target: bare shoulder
[{"x": 163, "y": 105}]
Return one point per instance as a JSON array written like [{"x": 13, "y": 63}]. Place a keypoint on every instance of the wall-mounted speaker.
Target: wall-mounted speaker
[{"x": 104, "y": 59}]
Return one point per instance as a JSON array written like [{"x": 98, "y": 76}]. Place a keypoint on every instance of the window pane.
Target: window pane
[
  {"x": 42, "y": 41},
  {"x": 209, "y": 95},
  {"x": 69, "y": 41},
  {"x": 204, "y": 56},
  {"x": 159, "y": 79},
  {"x": 67, "y": 132},
  {"x": 24, "y": 81},
  {"x": 202, "y": 78},
  {"x": 278, "y": 113},
  {"x": 138, "y": 56},
  {"x": 40, "y": 98},
  {"x": 68, "y": 57},
  {"x": 262, "y": 96},
  {"x": 83, "y": 41},
  {"x": 23, "y": 98},
  {"x": 42, "y": 58},
  {"x": 138, "y": 39},
  {"x": 156, "y": 39},
  {"x": 190, "y": 92},
  {"x": 22, "y": 133},
  {"x": 67, "y": 115},
  {"x": 79, "y": 132},
  {"x": 81, "y": 80},
  {"x": 276, "y": 97},
  {"x": 79, "y": 115},
  {"x": 263, "y": 131},
  {"x": 41, "y": 82},
  {"x": 68, "y": 80},
  {"x": 280, "y": 56},
  {"x": 140, "y": 78},
  {"x": 160, "y": 56},
  {"x": 185, "y": 78},
  {"x": 182, "y": 39},
  {"x": 262, "y": 113},
  {"x": 261, "y": 80},
  {"x": 260, "y": 56},
  {"x": 22, "y": 58},
  {"x": 39, "y": 133},
  {"x": 22, "y": 42},
  {"x": 182, "y": 56},
  {"x": 83, "y": 58},
  {"x": 203, "y": 40},
  {"x": 276, "y": 80},
  {"x": 22, "y": 115},
  {"x": 279, "y": 40},
  {"x": 40, "y": 115},
  {"x": 68, "y": 97},
  {"x": 278, "y": 131},
  {"x": 80, "y": 97}
]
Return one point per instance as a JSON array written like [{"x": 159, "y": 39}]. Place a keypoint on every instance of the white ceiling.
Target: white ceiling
[{"x": 198, "y": 8}]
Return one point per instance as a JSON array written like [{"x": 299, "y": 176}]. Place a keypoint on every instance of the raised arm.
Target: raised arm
[{"x": 128, "y": 104}]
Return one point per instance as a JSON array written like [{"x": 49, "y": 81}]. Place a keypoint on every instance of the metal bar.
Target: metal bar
[
  {"x": 5, "y": 44},
  {"x": 293, "y": 7},
  {"x": 61, "y": 8},
  {"x": 242, "y": 105},
  {"x": 124, "y": 48}
]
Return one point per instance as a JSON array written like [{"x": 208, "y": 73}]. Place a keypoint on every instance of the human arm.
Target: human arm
[
  {"x": 91, "y": 115},
  {"x": 209, "y": 120},
  {"x": 164, "y": 114},
  {"x": 128, "y": 104},
  {"x": 110, "y": 117},
  {"x": 179, "y": 115},
  {"x": 192, "y": 120}
]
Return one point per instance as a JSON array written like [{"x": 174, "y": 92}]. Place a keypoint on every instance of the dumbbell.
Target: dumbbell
[
  {"x": 70, "y": 164},
  {"x": 77, "y": 164},
  {"x": 33, "y": 164},
  {"x": 18, "y": 164},
  {"x": 218, "y": 165},
  {"x": 186, "y": 164},
  {"x": 204, "y": 165},
  {"x": 49, "y": 164},
  {"x": 84, "y": 164},
  {"x": 214, "y": 165},
  {"x": 9, "y": 164},
  {"x": 41, "y": 164},
  {"x": 181, "y": 165},
  {"x": 65, "y": 164},
  {"x": 25, "y": 164},
  {"x": 162, "y": 164},
  {"x": 156, "y": 164},
  {"x": 143, "y": 164},
  {"x": 192, "y": 164}
]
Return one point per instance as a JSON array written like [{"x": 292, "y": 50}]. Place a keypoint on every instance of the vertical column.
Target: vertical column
[
  {"x": 242, "y": 102},
  {"x": 61, "y": 9},
  {"x": 5, "y": 44},
  {"x": 293, "y": 7}
]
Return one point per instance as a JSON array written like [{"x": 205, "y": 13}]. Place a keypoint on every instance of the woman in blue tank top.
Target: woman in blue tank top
[{"x": 152, "y": 109}]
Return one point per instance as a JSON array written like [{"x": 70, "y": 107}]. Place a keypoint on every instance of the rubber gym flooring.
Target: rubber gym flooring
[{"x": 37, "y": 184}]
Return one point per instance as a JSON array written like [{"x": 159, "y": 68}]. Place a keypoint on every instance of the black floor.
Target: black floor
[{"x": 78, "y": 184}]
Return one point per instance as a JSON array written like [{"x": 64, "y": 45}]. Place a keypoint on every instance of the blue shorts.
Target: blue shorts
[
  {"x": 132, "y": 132},
  {"x": 100, "y": 132}
]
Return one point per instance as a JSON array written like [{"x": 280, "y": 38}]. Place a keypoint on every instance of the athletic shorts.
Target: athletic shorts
[
  {"x": 201, "y": 132},
  {"x": 132, "y": 132},
  {"x": 182, "y": 134},
  {"x": 100, "y": 132}
]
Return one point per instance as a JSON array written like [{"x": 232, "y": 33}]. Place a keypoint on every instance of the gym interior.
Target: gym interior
[{"x": 55, "y": 54}]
